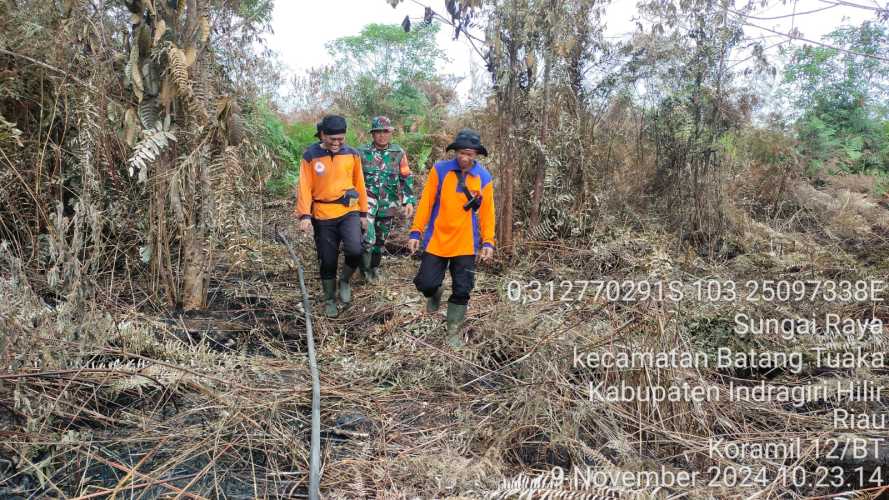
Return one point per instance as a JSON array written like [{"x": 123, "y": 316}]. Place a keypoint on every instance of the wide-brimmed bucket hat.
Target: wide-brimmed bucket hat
[{"x": 468, "y": 139}]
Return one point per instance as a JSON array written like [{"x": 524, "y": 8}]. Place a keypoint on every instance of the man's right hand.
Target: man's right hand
[
  {"x": 413, "y": 245},
  {"x": 305, "y": 225}
]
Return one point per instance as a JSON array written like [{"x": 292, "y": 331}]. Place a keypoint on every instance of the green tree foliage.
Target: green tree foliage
[
  {"x": 383, "y": 70},
  {"x": 386, "y": 71},
  {"x": 387, "y": 53},
  {"x": 286, "y": 141},
  {"x": 841, "y": 92}
]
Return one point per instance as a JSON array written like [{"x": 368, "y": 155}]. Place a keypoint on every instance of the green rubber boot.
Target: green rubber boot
[
  {"x": 345, "y": 286},
  {"x": 366, "y": 269},
  {"x": 375, "y": 260},
  {"x": 456, "y": 314},
  {"x": 434, "y": 302},
  {"x": 329, "y": 287}
]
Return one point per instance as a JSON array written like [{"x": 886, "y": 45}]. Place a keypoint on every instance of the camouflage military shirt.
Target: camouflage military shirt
[{"x": 387, "y": 178}]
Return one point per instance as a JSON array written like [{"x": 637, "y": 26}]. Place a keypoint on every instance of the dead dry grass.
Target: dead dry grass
[{"x": 113, "y": 402}]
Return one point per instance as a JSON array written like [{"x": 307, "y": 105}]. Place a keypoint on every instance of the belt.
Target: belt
[
  {"x": 339, "y": 201},
  {"x": 345, "y": 199}
]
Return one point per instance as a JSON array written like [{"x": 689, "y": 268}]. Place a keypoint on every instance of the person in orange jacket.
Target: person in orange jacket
[
  {"x": 455, "y": 218},
  {"x": 332, "y": 202}
]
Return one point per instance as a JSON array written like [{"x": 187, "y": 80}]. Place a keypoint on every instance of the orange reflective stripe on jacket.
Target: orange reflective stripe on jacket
[
  {"x": 447, "y": 229},
  {"x": 404, "y": 169},
  {"x": 325, "y": 177}
]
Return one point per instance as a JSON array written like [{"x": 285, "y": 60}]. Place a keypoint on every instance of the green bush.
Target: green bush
[
  {"x": 288, "y": 142},
  {"x": 844, "y": 120},
  {"x": 388, "y": 72}
]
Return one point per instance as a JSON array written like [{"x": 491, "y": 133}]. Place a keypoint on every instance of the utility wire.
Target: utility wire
[
  {"x": 820, "y": 44},
  {"x": 793, "y": 36},
  {"x": 784, "y": 16},
  {"x": 855, "y": 5},
  {"x": 770, "y": 47}
]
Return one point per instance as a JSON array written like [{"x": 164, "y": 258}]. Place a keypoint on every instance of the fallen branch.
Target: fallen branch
[{"x": 315, "y": 455}]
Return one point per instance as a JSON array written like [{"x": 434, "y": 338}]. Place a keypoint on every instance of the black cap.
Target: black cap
[
  {"x": 331, "y": 125},
  {"x": 468, "y": 139}
]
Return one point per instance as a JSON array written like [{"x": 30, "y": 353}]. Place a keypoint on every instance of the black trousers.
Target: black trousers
[
  {"x": 431, "y": 275},
  {"x": 328, "y": 235}
]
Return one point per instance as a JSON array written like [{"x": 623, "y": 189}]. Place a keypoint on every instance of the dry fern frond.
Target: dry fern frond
[
  {"x": 546, "y": 230},
  {"x": 154, "y": 142},
  {"x": 205, "y": 29},
  {"x": 159, "y": 29},
  {"x": 546, "y": 493},
  {"x": 179, "y": 71},
  {"x": 131, "y": 126},
  {"x": 202, "y": 95},
  {"x": 135, "y": 73},
  {"x": 149, "y": 114},
  {"x": 226, "y": 171},
  {"x": 9, "y": 132}
]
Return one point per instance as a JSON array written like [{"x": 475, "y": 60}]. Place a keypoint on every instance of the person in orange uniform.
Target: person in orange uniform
[
  {"x": 332, "y": 202},
  {"x": 455, "y": 219}
]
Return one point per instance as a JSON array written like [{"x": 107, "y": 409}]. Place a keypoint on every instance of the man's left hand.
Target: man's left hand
[
  {"x": 413, "y": 245},
  {"x": 364, "y": 223},
  {"x": 487, "y": 253},
  {"x": 408, "y": 211}
]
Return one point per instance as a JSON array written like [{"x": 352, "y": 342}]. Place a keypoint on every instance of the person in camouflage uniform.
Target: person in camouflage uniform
[{"x": 390, "y": 187}]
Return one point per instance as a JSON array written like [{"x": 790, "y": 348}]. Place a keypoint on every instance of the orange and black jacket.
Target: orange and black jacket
[
  {"x": 447, "y": 228},
  {"x": 324, "y": 178}
]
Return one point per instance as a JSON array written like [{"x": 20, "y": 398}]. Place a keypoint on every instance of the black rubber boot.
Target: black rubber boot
[
  {"x": 433, "y": 302},
  {"x": 456, "y": 314},
  {"x": 329, "y": 287}
]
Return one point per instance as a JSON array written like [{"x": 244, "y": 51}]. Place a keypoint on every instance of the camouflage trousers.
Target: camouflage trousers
[{"x": 377, "y": 231}]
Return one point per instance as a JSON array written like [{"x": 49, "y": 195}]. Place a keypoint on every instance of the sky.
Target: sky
[{"x": 302, "y": 27}]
